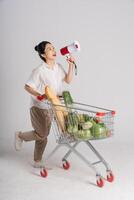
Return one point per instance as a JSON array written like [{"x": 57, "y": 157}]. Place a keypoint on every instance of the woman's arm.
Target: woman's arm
[
  {"x": 35, "y": 93},
  {"x": 69, "y": 75},
  {"x": 31, "y": 90}
]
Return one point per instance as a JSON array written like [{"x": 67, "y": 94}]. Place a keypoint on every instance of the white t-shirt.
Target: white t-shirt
[{"x": 42, "y": 76}]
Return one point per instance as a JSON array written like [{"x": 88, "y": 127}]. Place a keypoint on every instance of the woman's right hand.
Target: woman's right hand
[{"x": 70, "y": 59}]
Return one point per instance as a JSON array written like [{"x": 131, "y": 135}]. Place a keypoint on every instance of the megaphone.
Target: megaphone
[{"x": 74, "y": 47}]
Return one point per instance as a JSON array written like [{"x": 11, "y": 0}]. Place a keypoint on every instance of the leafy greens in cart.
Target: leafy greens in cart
[{"x": 83, "y": 126}]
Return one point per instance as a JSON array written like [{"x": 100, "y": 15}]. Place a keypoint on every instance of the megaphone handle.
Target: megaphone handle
[{"x": 75, "y": 68}]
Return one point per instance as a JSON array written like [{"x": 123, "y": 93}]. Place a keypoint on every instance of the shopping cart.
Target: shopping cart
[{"x": 101, "y": 126}]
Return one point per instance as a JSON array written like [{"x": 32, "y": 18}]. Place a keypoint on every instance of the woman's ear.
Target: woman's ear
[{"x": 43, "y": 55}]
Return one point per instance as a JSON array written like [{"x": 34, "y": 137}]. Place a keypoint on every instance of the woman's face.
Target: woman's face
[{"x": 50, "y": 52}]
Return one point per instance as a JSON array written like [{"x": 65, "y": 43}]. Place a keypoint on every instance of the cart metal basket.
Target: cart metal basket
[{"x": 81, "y": 123}]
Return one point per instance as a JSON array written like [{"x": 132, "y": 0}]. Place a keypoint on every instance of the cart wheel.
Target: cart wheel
[
  {"x": 100, "y": 182},
  {"x": 43, "y": 173},
  {"x": 66, "y": 165},
  {"x": 110, "y": 177}
]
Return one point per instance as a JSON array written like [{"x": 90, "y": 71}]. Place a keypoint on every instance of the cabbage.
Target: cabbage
[
  {"x": 99, "y": 130},
  {"x": 83, "y": 134},
  {"x": 87, "y": 125},
  {"x": 72, "y": 129}
]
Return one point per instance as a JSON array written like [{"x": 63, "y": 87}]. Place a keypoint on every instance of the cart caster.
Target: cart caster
[
  {"x": 100, "y": 182},
  {"x": 110, "y": 176},
  {"x": 43, "y": 172},
  {"x": 66, "y": 164}
]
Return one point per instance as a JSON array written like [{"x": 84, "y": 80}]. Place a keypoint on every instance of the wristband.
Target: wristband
[{"x": 40, "y": 97}]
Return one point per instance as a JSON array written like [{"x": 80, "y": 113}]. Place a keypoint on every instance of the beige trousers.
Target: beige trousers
[{"x": 41, "y": 123}]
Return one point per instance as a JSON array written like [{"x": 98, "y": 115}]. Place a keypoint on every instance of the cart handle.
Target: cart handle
[{"x": 98, "y": 113}]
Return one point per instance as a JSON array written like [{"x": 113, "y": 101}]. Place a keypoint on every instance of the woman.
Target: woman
[{"x": 48, "y": 73}]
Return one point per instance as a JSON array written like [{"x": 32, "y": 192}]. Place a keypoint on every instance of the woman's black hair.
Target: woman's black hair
[{"x": 40, "y": 48}]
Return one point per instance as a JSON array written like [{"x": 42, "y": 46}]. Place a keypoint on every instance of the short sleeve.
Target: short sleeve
[
  {"x": 33, "y": 80},
  {"x": 62, "y": 71}
]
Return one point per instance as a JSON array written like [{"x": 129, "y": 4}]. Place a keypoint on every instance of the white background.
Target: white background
[{"x": 105, "y": 30}]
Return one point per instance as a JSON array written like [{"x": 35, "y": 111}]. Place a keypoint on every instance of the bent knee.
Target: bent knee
[{"x": 40, "y": 137}]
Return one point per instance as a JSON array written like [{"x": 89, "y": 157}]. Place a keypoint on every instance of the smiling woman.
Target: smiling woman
[
  {"x": 46, "y": 51},
  {"x": 52, "y": 74}
]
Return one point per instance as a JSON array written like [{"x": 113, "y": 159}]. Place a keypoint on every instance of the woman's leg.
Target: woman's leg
[
  {"x": 41, "y": 123},
  {"x": 39, "y": 149},
  {"x": 24, "y": 136},
  {"x": 28, "y": 136}
]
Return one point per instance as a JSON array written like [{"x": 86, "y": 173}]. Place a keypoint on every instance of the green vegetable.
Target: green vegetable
[
  {"x": 67, "y": 98},
  {"x": 72, "y": 129},
  {"x": 82, "y": 126},
  {"x": 75, "y": 129},
  {"x": 86, "y": 117},
  {"x": 81, "y": 118},
  {"x": 71, "y": 122},
  {"x": 83, "y": 134},
  {"x": 87, "y": 125},
  {"x": 87, "y": 134},
  {"x": 72, "y": 118},
  {"x": 99, "y": 130}
]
